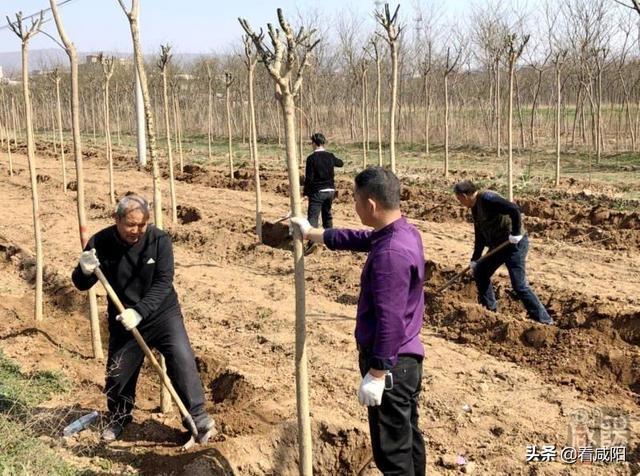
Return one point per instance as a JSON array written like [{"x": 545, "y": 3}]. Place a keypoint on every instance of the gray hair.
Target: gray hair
[{"x": 129, "y": 203}]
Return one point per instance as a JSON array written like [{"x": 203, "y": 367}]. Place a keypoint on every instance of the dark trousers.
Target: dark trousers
[
  {"x": 513, "y": 257},
  {"x": 320, "y": 202},
  {"x": 397, "y": 443},
  {"x": 125, "y": 359}
]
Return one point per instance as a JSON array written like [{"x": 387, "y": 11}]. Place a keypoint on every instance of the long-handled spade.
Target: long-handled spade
[
  {"x": 464, "y": 271},
  {"x": 145, "y": 348}
]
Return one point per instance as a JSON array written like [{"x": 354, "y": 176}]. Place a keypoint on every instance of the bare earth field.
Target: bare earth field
[{"x": 521, "y": 382}]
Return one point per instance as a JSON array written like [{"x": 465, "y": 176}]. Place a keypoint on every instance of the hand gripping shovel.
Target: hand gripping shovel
[
  {"x": 464, "y": 271},
  {"x": 163, "y": 376}
]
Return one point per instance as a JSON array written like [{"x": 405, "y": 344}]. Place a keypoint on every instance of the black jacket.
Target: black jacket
[
  {"x": 140, "y": 274},
  {"x": 494, "y": 218},
  {"x": 319, "y": 172}
]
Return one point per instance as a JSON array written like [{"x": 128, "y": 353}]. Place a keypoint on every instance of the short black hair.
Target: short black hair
[
  {"x": 318, "y": 138},
  {"x": 466, "y": 187},
  {"x": 380, "y": 184}
]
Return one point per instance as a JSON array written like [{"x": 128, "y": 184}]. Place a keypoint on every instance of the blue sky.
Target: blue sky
[{"x": 191, "y": 26}]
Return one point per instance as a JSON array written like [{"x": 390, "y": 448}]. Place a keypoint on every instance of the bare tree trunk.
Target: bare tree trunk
[
  {"x": 178, "y": 126},
  {"x": 575, "y": 117},
  {"x": 599, "y": 118},
  {"x": 427, "y": 113},
  {"x": 363, "y": 110},
  {"x": 534, "y": 109},
  {"x": 446, "y": 125},
  {"x": 366, "y": 113},
  {"x": 520, "y": 119},
  {"x": 228, "y": 82},
  {"x": 498, "y": 142},
  {"x": 96, "y": 340},
  {"x": 141, "y": 128},
  {"x": 558, "y": 101},
  {"x": 172, "y": 190},
  {"x": 108, "y": 65},
  {"x": 392, "y": 106},
  {"x": 7, "y": 134},
  {"x": 630, "y": 128},
  {"x": 378, "y": 110},
  {"x": 209, "y": 112},
  {"x": 510, "y": 133},
  {"x": 117, "y": 97},
  {"x": 14, "y": 116},
  {"x": 250, "y": 62},
  {"x": 34, "y": 182},
  {"x": 287, "y": 88},
  {"x": 60, "y": 135},
  {"x": 151, "y": 134}
]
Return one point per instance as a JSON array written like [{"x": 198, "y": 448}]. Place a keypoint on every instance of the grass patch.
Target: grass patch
[{"x": 21, "y": 452}]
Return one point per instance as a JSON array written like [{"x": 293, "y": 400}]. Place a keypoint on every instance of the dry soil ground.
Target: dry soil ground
[{"x": 520, "y": 382}]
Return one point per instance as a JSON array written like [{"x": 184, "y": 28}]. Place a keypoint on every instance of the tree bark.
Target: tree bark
[
  {"x": 172, "y": 190},
  {"x": 151, "y": 134},
  {"x": 96, "y": 340},
  {"x": 60, "y": 136},
  {"x": 229, "y": 131},
  {"x": 392, "y": 106},
  {"x": 558, "y": 100},
  {"x": 446, "y": 125},
  {"x": 31, "y": 156}
]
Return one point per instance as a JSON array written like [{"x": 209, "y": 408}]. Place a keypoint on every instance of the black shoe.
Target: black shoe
[
  {"x": 112, "y": 432},
  {"x": 206, "y": 429},
  {"x": 116, "y": 425}
]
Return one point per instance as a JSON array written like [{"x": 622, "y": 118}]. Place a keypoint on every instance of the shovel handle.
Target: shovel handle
[
  {"x": 147, "y": 352},
  {"x": 464, "y": 271}
]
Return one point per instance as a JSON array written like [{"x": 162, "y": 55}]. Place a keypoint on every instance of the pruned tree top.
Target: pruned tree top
[
  {"x": 389, "y": 23},
  {"x": 250, "y": 55},
  {"x": 165, "y": 57},
  {"x": 228, "y": 79},
  {"x": 289, "y": 53},
  {"x": 514, "y": 45},
  {"x": 18, "y": 26},
  {"x": 108, "y": 65}
]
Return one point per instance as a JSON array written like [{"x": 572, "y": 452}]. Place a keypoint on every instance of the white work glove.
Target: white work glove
[
  {"x": 130, "y": 318},
  {"x": 302, "y": 223},
  {"x": 515, "y": 239},
  {"x": 472, "y": 266},
  {"x": 88, "y": 262},
  {"x": 370, "y": 391}
]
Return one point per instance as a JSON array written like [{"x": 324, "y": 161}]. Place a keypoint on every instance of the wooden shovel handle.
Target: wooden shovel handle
[
  {"x": 464, "y": 271},
  {"x": 147, "y": 352}
]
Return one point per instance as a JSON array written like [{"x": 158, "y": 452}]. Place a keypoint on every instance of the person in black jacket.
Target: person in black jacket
[
  {"x": 137, "y": 260},
  {"x": 319, "y": 185},
  {"x": 495, "y": 221}
]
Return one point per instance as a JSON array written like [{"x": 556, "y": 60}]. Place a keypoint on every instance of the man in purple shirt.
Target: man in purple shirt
[{"x": 389, "y": 318}]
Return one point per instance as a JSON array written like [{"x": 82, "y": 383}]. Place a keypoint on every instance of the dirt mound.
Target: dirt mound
[
  {"x": 276, "y": 235},
  {"x": 230, "y": 388},
  {"x": 340, "y": 451},
  {"x": 57, "y": 287},
  {"x": 187, "y": 214}
]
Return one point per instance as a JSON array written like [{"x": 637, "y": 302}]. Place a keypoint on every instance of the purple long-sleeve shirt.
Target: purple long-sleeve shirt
[{"x": 391, "y": 302}]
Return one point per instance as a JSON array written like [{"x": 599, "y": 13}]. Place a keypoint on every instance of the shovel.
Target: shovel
[
  {"x": 163, "y": 376},
  {"x": 464, "y": 271}
]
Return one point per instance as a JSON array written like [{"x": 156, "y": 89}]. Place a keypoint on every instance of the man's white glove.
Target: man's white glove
[
  {"x": 515, "y": 239},
  {"x": 302, "y": 223},
  {"x": 88, "y": 262},
  {"x": 370, "y": 391},
  {"x": 130, "y": 318},
  {"x": 472, "y": 266}
]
